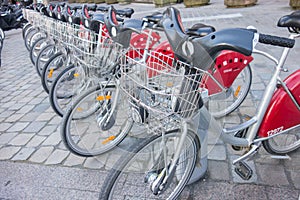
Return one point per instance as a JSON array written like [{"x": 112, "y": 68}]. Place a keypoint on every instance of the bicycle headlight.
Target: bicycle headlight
[
  {"x": 86, "y": 23},
  {"x": 114, "y": 31},
  {"x": 70, "y": 19}
]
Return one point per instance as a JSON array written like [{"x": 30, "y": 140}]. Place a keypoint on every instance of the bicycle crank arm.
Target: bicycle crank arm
[{"x": 250, "y": 153}]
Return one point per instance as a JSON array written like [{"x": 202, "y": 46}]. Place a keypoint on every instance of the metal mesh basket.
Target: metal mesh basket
[
  {"x": 161, "y": 87},
  {"x": 96, "y": 49},
  {"x": 48, "y": 26},
  {"x": 33, "y": 17}
]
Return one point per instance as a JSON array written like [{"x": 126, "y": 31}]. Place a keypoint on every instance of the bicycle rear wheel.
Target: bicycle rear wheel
[
  {"x": 226, "y": 102},
  {"x": 92, "y": 125},
  {"x": 284, "y": 143},
  {"x": 132, "y": 174}
]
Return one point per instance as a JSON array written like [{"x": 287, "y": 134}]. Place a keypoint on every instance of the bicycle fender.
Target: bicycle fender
[{"x": 282, "y": 113}]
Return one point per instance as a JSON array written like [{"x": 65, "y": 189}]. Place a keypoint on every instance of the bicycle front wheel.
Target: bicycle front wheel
[
  {"x": 37, "y": 46},
  {"x": 132, "y": 176},
  {"x": 226, "y": 102},
  {"x": 52, "y": 68},
  {"x": 44, "y": 55},
  {"x": 30, "y": 33},
  {"x": 69, "y": 83},
  {"x": 284, "y": 143},
  {"x": 96, "y": 122}
]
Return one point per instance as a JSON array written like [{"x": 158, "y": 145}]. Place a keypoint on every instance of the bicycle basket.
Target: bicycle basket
[
  {"x": 95, "y": 49},
  {"x": 162, "y": 86}
]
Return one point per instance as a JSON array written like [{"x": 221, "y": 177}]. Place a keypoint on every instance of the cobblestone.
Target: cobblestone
[
  {"x": 5, "y": 126},
  {"x": 57, "y": 157},
  {"x": 48, "y": 130},
  {"x": 23, "y": 154},
  {"x": 93, "y": 163},
  {"x": 6, "y": 137},
  {"x": 36, "y": 141},
  {"x": 18, "y": 126},
  {"x": 45, "y": 116},
  {"x": 74, "y": 160},
  {"x": 8, "y": 152},
  {"x": 41, "y": 154},
  {"x": 21, "y": 139},
  {"x": 34, "y": 127},
  {"x": 25, "y": 109},
  {"x": 53, "y": 139},
  {"x": 14, "y": 117}
]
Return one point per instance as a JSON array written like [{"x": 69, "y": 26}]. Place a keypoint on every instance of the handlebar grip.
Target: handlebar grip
[{"x": 276, "y": 41}]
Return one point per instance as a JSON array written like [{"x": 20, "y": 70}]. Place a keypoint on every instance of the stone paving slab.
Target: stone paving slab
[{"x": 29, "y": 130}]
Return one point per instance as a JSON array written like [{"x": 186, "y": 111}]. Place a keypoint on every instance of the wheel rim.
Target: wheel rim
[
  {"x": 133, "y": 175},
  {"x": 224, "y": 103},
  {"x": 83, "y": 131},
  {"x": 65, "y": 89}
]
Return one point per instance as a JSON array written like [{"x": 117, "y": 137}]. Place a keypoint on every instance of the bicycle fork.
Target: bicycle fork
[{"x": 159, "y": 182}]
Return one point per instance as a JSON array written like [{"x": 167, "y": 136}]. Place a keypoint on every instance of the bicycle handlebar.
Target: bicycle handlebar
[{"x": 276, "y": 41}]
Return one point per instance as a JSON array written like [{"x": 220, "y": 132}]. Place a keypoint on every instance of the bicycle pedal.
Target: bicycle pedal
[{"x": 243, "y": 170}]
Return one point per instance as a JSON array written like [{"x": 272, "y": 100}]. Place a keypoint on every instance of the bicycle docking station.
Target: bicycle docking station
[{"x": 202, "y": 124}]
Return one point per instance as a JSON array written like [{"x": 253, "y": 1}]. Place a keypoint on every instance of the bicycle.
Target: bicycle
[{"x": 156, "y": 167}]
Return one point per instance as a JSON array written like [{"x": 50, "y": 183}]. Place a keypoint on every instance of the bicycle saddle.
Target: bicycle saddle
[
  {"x": 91, "y": 7},
  {"x": 126, "y": 12},
  {"x": 75, "y": 7},
  {"x": 102, "y": 8},
  {"x": 200, "y": 30},
  {"x": 154, "y": 18},
  {"x": 291, "y": 21}
]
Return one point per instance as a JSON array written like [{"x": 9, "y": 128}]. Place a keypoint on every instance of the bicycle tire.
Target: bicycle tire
[
  {"x": 228, "y": 102},
  {"x": 34, "y": 38},
  {"x": 85, "y": 115},
  {"x": 2, "y": 35},
  {"x": 65, "y": 88},
  {"x": 28, "y": 36},
  {"x": 140, "y": 152},
  {"x": 284, "y": 143},
  {"x": 44, "y": 55},
  {"x": 51, "y": 70},
  {"x": 25, "y": 29},
  {"x": 37, "y": 46}
]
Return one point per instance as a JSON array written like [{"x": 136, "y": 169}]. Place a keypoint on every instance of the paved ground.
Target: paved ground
[{"x": 35, "y": 164}]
